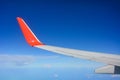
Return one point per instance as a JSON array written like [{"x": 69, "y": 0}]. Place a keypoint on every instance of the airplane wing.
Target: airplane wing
[{"x": 112, "y": 61}]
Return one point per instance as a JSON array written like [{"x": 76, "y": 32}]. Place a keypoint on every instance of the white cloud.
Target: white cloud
[
  {"x": 40, "y": 61},
  {"x": 116, "y": 76},
  {"x": 16, "y": 60},
  {"x": 56, "y": 75},
  {"x": 21, "y": 60},
  {"x": 47, "y": 57},
  {"x": 47, "y": 65}
]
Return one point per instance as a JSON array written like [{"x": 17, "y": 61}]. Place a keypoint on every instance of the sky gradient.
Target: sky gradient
[{"x": 92, "y": 25}]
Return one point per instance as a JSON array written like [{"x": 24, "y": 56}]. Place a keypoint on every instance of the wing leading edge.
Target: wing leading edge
[{"x": 112, "y": 61}]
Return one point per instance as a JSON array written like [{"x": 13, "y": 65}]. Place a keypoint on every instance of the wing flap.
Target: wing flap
[{"x": 109, "y": 69}]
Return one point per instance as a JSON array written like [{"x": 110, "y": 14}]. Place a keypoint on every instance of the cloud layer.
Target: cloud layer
[{"x": 20, "y": 60}]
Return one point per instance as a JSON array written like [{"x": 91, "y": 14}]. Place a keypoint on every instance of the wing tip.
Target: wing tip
[
  {"x": 18, "y": 18},
  {"x": 28, "y": 34}
]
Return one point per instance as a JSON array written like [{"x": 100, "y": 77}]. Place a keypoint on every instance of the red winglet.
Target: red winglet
[{"x": 28, "y": 34}]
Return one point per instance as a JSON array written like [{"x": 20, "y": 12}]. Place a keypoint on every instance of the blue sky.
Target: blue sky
[{"x": 92, "y": 25}]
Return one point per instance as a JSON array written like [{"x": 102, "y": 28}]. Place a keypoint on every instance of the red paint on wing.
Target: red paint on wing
[{"x": 28, "y": 34}]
